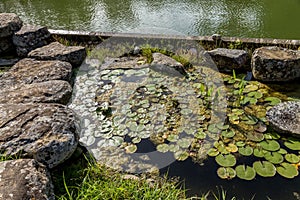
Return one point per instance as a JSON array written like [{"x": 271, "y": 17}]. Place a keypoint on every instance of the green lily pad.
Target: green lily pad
[
  {"x": 131, "y": 148},
  {"x": 274, "y": 157},
  {"x": 270, "y": 145},
  {"x": 292, "y": 158},
  {"x": 221, "y": 126},
  {"x": 250, "y": 88},
  {"x": 282, "y": 151},
  {"x": 260, "y": 153},
  {"x": 264, "y": 168},
  {"x": 213, "y": 152},
  {"x": 184, "y": 142},
  {"x": 237, "y": 112},
  {"x": 213, "y": 128},
  {"x": 172, "y": 138},
  {"x": 240, "y": 143},
  {"x": 250, "y": 100},
  {"x": 246, "y": 151},
  {"x": 293, "y": 144},
  {"x": 136, "y": 140},
  {"x": 255, "y": 94},
  {"x": 232, "y": 148},
  {"x": 228, "y": 133},
  {"x": 255, "y": 136},
  {"x": 287, "y": 170},
  {"x": 221, "y": 147},
  {"x": 173, "y": 148},
  {"x": 226, "y": 160},
  {"x": 181, "y": 155},
  {"x": 245, "y": 172},
  {"x": 226, "y": 173},
  {"x": 200, "y": 135},
  {"x": 273, "y": 135},
  {"x": 273, "y": 100},
  {"x": 162, "y": 148}
]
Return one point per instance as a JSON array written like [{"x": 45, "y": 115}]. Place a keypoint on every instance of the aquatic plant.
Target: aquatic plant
[
  {"x": 245, "y": 172},
  {"x": 287, "y": 170},
  {"x": 264, "y": 168}
]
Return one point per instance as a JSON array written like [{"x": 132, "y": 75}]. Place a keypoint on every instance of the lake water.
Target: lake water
[{"x": 241, "y": 18}]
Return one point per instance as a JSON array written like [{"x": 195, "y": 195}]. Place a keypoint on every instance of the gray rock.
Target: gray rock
[
  {"x": 56, "y": 51},
  {"x": 8, "y": 62},
  {"x": 46, "y": 92},
  {"x": 229, "y": 59},
  {"x": 25, "y": 179},
  {"x": 44, "y": 132},
  {"x": 6, "y": 45},
  {"x": 285, "y": 117},
  {"x": 275, "y": 64},
  {"x": 30, "y": 37},
  {"x": 167, "y": 65},
  {"x": 9, "y": 23},
  {"x": 29, "y": 71}
]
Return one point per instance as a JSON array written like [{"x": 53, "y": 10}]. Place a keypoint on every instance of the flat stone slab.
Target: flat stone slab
[
  {"x": 44, "y": 132},
  {"x": 29, "y": 71},
  {"x": 9, "y": 23},
  {"x": 46, "y": 92},
  {"x": 229, "y": 59},
  {"x": 25, "y": 179},
  {"x": 285, "y": 117},
  {"x": 56, "y": 51},
  {"x": 275, "y": 64}
]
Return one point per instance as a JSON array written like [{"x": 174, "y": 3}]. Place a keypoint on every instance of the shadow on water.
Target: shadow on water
[{"x": 201, "y": 179}]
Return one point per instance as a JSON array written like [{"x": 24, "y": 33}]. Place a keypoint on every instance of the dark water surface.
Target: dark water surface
[{"x": 242, "y": 18}]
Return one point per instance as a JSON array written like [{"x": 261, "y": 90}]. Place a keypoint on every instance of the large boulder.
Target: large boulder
[
  {"x": 285, "y": 117},
  {"x": 275, "y": 64},
  {"x": 229, "y": 59},
  {"x": 30, "y": 37},
  {"x": 25, "y": 179},
  {"x": 29, "y": 71},
  {"x": 56, "y": 51},
  {"x": 44, "y": 132},
  {"x": 46, "y": 92},
  {"x": 9, "y": 24}
]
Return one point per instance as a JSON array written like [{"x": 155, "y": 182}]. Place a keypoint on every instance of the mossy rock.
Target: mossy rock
[
  {"x": 226, "y": 173},
  {"x": 270, "y": 145},
  {"x": 292, "y": 158},
  {"x": 228, "y": 160},
  {"x": 274, "y": 157},
  {"x": 264, "y": 168},
  {"x": 245, "y": 172},
  {"x": 246, "y": 150},
  {"x": 287, "y": 170}
]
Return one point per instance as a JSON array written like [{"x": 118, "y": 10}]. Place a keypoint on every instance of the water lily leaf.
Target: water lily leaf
[
  {"x": 287, "y": 170},
  {"x": 293, "y": 144},
  {"x": 162, "y": 148},
  {"x": 172, "y": 138},
  {"x": 200, "y": 135},
  {"x": 270, "y": 145},
  {"x": 273, "y": 100},
  {"x": 273, "y": 135},
  {"x": 282, "y": 151},
  {"x": 131, "y": 148},
  {"x": 181, "y": 155},
  {"x": 136, "y": 140},
  {"x": 240, "y": 143},
  {"x": 255, "y": 136},
  {"x": 221, "y": 147},
  {"x": 184, "y": 142},
  {"x": 245, "y": 172},
  {"x": 292, "y": 158},
  {"x": 228, "y": 133},
  {"x": 232, "y": 148},
  {"x": 234, "y": 119},
  {"x": 246, "y": 151},
  {"x": 173, "y": 148},
  {"x": 255, "y": 94},
  {"x": 274, "y": 157},
  {"x": 250, "y": 120},
  {"x": 213, "y": 152},
  {"x": 226, "y": 173},
  {"x": 249, "y": 100},
  {"x": 213, "y": 128},
  {"x": 237, "y": 112},
  {"x": 259, "y": 152},
  {"x": 250, "y": 88},
  {"x": 221, "y": 126},
  {"x": 226, "y": 160},
  {"x": 264, "y": 168}
]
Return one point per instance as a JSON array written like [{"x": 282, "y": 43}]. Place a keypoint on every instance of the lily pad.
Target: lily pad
[
  {"x": 221, "y": 126},
  {"x": 255, "y": 136},
  {"x": 200, "y": 135},
  {"x": 226, "y": 173},
  {"x": 162, "y": 148},
  {"x": 273, "y": 100},
  {"x": 250, "y": 88},
  {"x": 213, "y": 152},
  {"x": 213, "y": 128},
  {"x": 226, "y": 160},
  {"x": 184, "y": 142},
  {"x": 250, "y": 100},
  {"x": 181, "y": 155},
  {"x": 221, "y": 147},
  {"x": 232, "y": 148},
  {"x": 255, "y": 94},
  {"x": 293, "y": 144},
  {"x": 246, "y": 151},
  {"x": 245, "y": 172},
  {"x": 270, "y": 145},
  {"x": 131, "y": 148},
  {"x": 172, "y": 138},
  {"x": 264, "y": 168},
  {"x": 240, "y": 143},
  {"x": 287, "y": 170},
  {"x": 228, "y": 133},
  {"x": 259, "y": 152},
  {"x": 173, "y": 148},
  {"x": 292, "y": 158},
  {"x": 274, "y": 157},
  {"x": 273, "y": 135}
]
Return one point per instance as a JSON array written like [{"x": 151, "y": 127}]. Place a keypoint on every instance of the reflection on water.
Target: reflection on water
[{"x": 243, "y": 18}]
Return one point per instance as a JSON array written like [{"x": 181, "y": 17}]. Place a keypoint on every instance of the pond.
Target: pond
[
  {"x": 240, "y": 18},
  {"x": 140, "y": 111}
]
